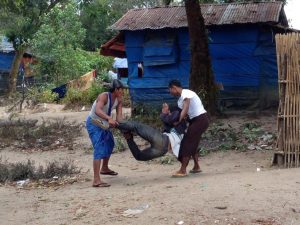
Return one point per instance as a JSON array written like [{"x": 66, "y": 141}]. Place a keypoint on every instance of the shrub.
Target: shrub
[
  {"x": 3, "y": 171},
  {"x": 47, "y": 135},
  {"x": 147, "y": 115},
  {"x": 74, "y": 96},
  {"x": 47, "y": 96},
  {"x": 71, "y": 64},
  {"x": 120, "y": 143},
  {"x": 126, "y": 99},
  {"x": 93, "y": 92},
  {"x": 58, "y": 169},
  {"x": 41, "y": 95},
  {"x": 21, "y": 171},
  {"x": 27, "y": 170}
]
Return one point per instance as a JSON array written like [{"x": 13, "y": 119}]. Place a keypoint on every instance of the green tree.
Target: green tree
[
  {"x": 56, "y": 44},
  {"x": 21, "y": 19},
  {"x": 97, "y": 15}
]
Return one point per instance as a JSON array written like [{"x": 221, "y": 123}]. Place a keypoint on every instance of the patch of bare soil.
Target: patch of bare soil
[{"x": 236, "y": 187}]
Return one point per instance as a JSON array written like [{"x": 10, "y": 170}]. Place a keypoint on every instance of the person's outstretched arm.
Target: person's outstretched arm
[{"x": 171, "y": 118}]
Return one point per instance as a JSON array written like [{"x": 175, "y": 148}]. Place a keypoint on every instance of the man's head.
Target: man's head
[
  {"x": 165, "y": 108},
  {"x": 175, "y": 88},
  {"x": 116, "y": 87}
]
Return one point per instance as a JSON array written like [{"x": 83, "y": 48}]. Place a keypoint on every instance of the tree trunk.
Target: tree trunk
[
  {"x": 14, "y": 71},
  {"x": 201, "y": 76}
]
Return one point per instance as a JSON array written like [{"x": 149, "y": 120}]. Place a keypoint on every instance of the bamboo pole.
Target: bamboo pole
[{"x": 288, "y": 119}]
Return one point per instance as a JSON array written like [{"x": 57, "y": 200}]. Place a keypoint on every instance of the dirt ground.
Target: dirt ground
[{"x": 230, "y": 190}]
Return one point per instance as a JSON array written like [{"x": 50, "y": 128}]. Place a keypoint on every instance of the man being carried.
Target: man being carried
[{"x": 160, "y": 142}]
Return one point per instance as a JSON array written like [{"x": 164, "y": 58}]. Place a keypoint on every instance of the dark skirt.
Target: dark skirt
[{"x": 190, "y": 142}]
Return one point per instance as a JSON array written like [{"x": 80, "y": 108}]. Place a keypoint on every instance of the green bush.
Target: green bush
[
  {"x": 47, "y": 96},
  {"x": 93, "y": 60},
  {"x": 41, "y": 95},
  {"x": 71, "y": 64},
  {"x": 147, "y": 115},
  {"x": 93, "y": 92},
  {"x": 77, "y": 97},
  {"x": 74, "y": 96}
]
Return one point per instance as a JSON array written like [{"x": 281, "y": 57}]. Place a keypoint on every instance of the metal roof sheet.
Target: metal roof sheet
[{"x": 214, "y": 14}]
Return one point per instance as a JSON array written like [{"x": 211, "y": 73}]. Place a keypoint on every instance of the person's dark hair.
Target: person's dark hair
[
  {"x": 115, "y": 84},
  {"x": 175, "y": 83}
]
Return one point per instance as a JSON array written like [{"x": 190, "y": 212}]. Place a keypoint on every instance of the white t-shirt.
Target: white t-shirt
[
  {"x": 196, "y": 107},
  {"x": 175, "y": 140}
]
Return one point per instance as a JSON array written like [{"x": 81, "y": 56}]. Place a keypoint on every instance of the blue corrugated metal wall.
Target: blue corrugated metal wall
[
  {"x": 6, "y": 61},
  {"x": 5, "y": 64},
  {"x": 243, "y": 60}
]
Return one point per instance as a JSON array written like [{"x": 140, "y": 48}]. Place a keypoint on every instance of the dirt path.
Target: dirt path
[
  {"x": 230, "y": 181},
  {"x": 229, "y": 191},
  {"x": 48, "y": 111}
]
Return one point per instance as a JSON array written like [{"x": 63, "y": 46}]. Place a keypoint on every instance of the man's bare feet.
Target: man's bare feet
[
  {"x": 97, "y": 181},
  {"x": 196, "y": 168}
]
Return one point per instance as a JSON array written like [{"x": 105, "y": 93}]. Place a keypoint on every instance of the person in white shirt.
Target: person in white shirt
[{"x": 191, "y": 106}]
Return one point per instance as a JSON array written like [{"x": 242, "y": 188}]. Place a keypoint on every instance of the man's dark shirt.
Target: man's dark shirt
[{"x": 169, "y": 119}]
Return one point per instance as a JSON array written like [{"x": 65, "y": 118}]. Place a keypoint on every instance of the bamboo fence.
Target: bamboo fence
[{"x": 288, "y": 56}]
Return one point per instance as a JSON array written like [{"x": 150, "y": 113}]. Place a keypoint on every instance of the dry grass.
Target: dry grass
[
  {"x": 248, "y": 136},
  {"x": 126, "y": 99},
  {"x": 48, "y": 135},
  {"x": 27, "y": 170}
]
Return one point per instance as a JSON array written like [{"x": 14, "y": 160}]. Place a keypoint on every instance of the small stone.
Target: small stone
[{"x": 251, "y": 147}]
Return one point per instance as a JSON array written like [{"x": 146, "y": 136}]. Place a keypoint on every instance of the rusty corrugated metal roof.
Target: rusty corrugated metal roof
[
  {"x": 114, "y": 47},
  {"x": 214, "y": 14}
]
